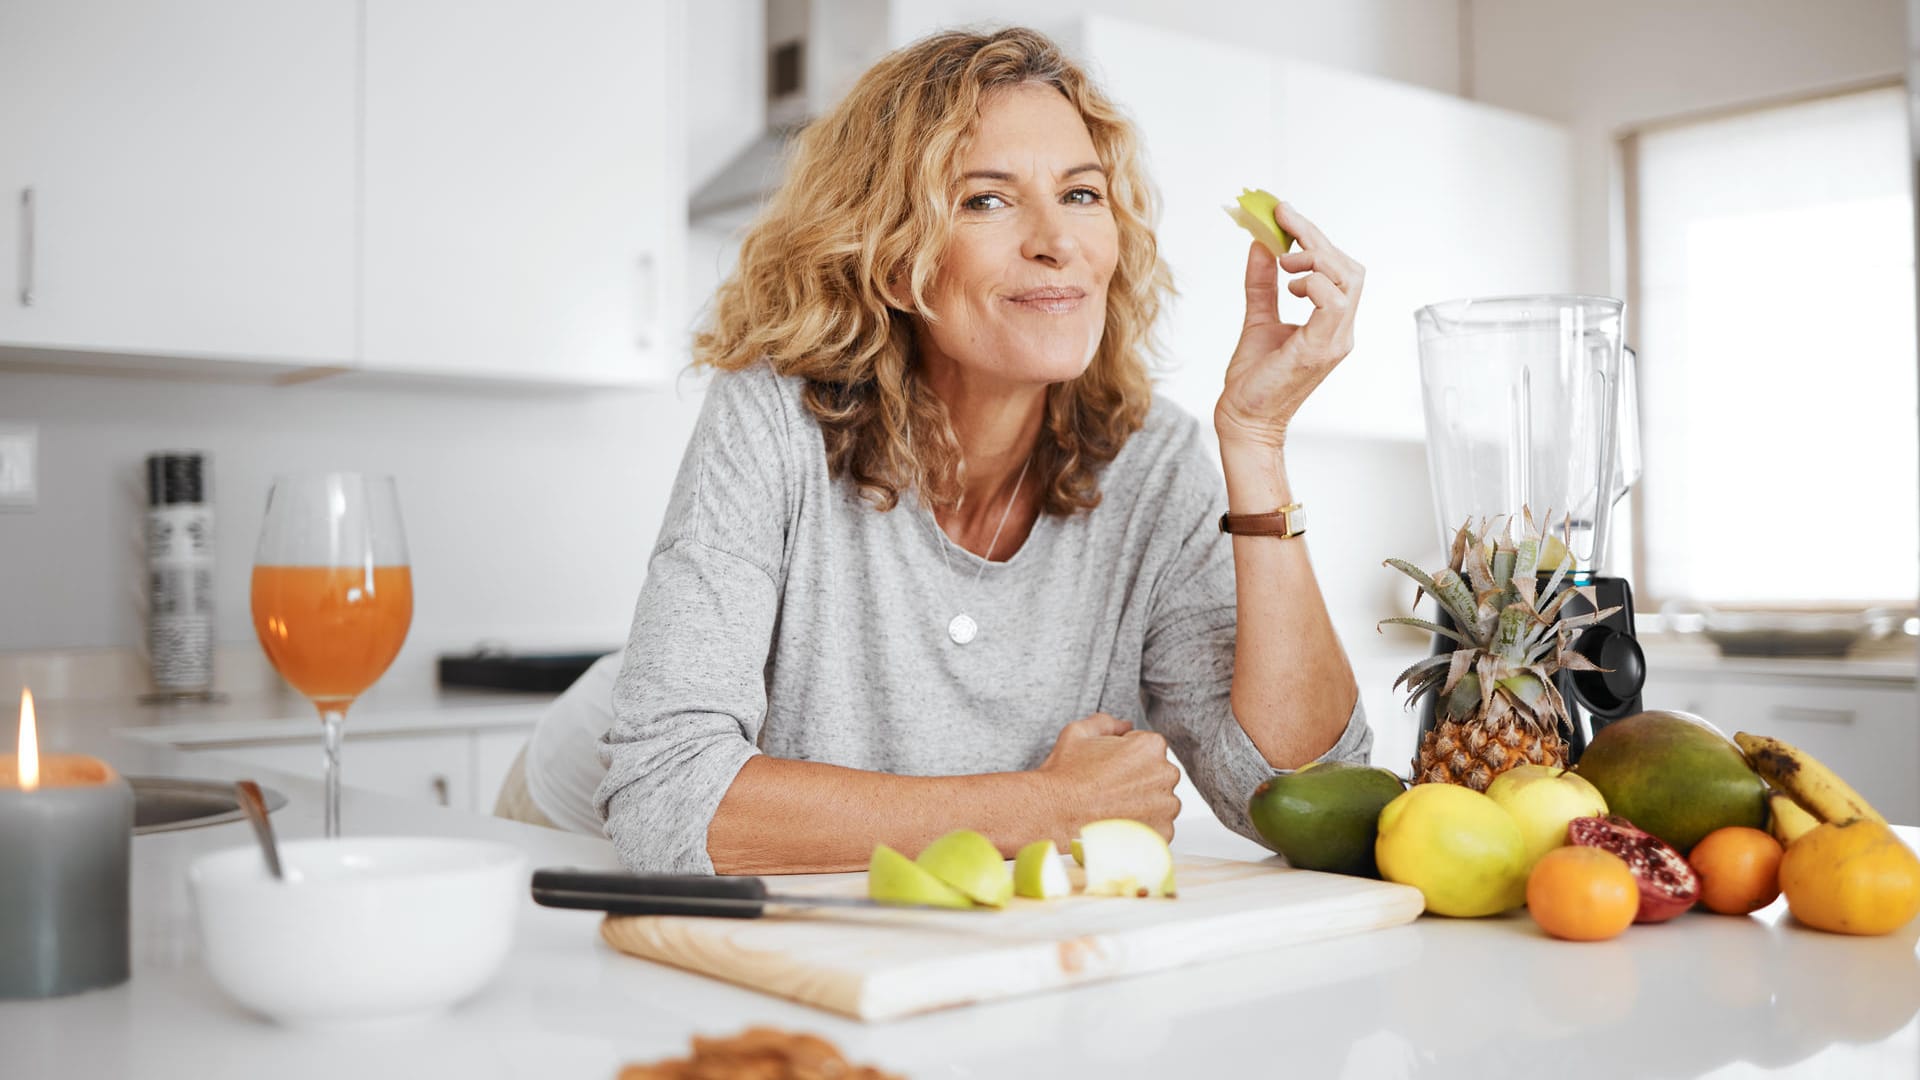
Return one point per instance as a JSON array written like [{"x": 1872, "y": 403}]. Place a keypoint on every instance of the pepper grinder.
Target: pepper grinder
[{"x": 179, "y": 577}]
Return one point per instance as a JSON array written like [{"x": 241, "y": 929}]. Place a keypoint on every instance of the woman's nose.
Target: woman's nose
[{"x": 1049, "y": 236}]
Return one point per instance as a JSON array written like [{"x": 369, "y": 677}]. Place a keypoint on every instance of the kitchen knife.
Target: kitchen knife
[{"x": 682, "y": 894}]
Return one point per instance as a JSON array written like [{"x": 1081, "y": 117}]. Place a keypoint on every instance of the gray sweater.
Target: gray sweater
[{"x": 783, "y": 614}]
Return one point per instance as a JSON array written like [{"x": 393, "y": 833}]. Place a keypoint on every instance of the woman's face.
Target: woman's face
[{"x": 1022, "y": 292}]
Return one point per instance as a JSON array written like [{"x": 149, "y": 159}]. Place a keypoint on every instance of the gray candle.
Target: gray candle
[{"x": 66, "y": 833}]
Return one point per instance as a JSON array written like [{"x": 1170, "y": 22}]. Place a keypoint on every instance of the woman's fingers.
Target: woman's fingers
[
  {"x": 1297, "y": 261},
  {"x": 1263, "y": 286},
  {"x": 1305, "y": 231},
  {"x": 1332, "y": 308},
  {"x": 1325, "y": 293},
  {"x": 1101, "y": 724},
  {"x": 1331, "y": 260}
]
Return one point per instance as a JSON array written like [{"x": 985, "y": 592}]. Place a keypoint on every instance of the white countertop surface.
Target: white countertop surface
[{"x": 1703, "y": 995}]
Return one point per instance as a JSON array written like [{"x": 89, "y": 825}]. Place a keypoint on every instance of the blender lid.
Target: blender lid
[{"x": 1497, "y": 309}]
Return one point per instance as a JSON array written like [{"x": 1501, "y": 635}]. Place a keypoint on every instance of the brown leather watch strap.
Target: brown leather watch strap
[{"x": 1286, "y": 522}]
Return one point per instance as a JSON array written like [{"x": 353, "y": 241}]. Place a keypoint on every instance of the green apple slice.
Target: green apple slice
[
  {"x": 969, "y": 862},
  {"x": 1126, "y": 858},
  {"x": 1255, "y": 214},
  {"x": 1079, "y": 856},
  {"x": 1037, "y": 872},
  {"x": 892, "y": 878}
]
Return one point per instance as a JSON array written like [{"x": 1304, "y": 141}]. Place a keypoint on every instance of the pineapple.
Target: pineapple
[{"x": 1496, "y": 706}]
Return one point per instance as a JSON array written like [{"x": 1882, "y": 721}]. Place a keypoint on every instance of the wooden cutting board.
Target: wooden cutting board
[{"x": 881, "y": 964}]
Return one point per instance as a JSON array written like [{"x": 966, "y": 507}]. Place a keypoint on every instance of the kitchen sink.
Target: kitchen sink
[{"x": 164, "y": 803}]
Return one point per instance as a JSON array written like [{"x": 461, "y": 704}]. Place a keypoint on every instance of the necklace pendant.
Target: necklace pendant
[{"x": 962, "y": 629}]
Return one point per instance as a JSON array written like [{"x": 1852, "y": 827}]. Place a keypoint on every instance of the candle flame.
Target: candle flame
[{"x": 29, "y": 760}]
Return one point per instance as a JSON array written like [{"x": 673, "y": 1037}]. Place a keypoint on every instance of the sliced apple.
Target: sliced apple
[
  {"x": 1037, "y": 872},
  {"x": 1126, "y": 858},
  {"x": 970, "y": 863},
  {"x": 892, "y": 878},
  {"x": 1079, "y": 856},
  {"x": 1254, "y": 213}
]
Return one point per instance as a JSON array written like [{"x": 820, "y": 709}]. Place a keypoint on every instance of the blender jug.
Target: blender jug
[
  {"x": 1529, "y": 408},
  {"x": 1521, "y": 397}
]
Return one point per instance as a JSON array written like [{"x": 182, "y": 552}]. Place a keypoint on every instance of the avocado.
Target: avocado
[
  {"x": 1674, "y": 776},
  {"x": 1325, "y": 817}
]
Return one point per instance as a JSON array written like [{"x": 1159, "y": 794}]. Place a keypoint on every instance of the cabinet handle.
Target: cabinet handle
[
  {"x": 646, "y": 299},
  {"x": 440, "y": 791},
  {"x": 1801, "y": 714},
  {"x": 26, "y": 246}
]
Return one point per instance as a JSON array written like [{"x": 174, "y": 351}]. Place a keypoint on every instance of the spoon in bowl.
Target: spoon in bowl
[{"x": 255, "y": 806}]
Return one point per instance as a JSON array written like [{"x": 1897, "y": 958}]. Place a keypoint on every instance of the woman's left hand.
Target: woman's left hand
[{"x": 1277, "y": 364}]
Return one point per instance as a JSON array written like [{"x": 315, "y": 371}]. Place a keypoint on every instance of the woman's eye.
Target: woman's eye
[
  {"x": 1084, "y": 196},
  {"x": 981, "y": 202}
]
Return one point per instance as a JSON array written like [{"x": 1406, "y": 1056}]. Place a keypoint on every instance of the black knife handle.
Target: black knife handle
[{"x": 651, "y": 894}]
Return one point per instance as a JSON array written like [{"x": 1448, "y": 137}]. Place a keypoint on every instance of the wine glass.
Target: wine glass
[{"x": 332, "y": 594}]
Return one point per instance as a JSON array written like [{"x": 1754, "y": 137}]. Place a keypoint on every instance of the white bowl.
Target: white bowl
[{"x": 364, "y": 929}]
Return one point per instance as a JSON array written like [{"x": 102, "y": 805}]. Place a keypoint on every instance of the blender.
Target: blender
[{"x": 1530, "y": 407}]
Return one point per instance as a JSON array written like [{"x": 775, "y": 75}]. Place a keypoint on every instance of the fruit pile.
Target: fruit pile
[
  {"x": 1662, "y": 812},
  {"x": 963, "y": 868}
]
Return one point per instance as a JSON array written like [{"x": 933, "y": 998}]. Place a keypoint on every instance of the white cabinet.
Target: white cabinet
[
  {"x": 1439, "y": 197},
  {"x": 177, "y": 179},
  {"x": 1867, "y": 730},
  {"x": 459, "y": 769},
  {"x": 525, "y": 210},
  {"x": 481, "y": 191}
]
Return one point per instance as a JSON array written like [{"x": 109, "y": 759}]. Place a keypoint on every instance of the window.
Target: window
[{"x": 1772, "y": 262}]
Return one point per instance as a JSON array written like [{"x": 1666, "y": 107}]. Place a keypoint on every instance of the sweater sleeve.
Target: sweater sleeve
[
  {"x": 691, "y": 696},
  {"x": 1187, "y": 660}
]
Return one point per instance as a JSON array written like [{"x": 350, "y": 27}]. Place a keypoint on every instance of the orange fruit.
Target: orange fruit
[
  {"x": 1739, "y": 869},
  {"x": 1851, "y": 878},
  {"x": 1582, "y": 894}
]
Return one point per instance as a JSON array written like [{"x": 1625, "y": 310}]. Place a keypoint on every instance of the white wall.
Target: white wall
[
  {"x": 529, "y": 517},
  {"x": 727, "y": 77},
  {"x": 1604, "y": 67},
  {"x": 1414, "y": 41}
]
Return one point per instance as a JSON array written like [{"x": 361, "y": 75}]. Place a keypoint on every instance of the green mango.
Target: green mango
[
  {"x": 1325, "y": 817},
  {"x": 1675, "y": 776}
]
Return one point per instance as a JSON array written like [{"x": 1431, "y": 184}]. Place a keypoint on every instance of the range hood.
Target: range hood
[{"x": 814, "y": 52}]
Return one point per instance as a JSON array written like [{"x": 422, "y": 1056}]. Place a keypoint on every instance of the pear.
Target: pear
[
  {"x": 1037, "y": 872},
  {"x": 1543, "y": 800},
  {"x": 1255, "y": 214},
  {"x": 970, "y": 863},
  {"x": 1126, "y": 858},
  {"x": 892, "y": 878}
]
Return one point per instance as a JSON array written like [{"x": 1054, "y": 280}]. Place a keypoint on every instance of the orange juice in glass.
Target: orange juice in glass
[{"x": 332, "y": 594}]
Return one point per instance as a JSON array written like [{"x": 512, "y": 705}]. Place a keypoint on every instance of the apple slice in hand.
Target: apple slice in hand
[
  {"x": 1126, "y": 858},
  {"x": 970, "y": 863},
  {"x": 892, "y": 878},
  {"x": 1037, "y": 872},
  {"x": 1254, "y": 213}
]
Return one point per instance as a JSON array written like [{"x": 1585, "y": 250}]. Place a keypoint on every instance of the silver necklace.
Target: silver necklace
[{"x": 961, "y": 628}]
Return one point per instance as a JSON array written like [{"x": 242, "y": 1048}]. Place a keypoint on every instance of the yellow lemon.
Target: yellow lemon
[{"x": 1462, "y": 850}]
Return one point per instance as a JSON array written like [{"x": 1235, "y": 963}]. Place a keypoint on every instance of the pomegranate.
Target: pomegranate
[{"x": 1668, "y": 886}]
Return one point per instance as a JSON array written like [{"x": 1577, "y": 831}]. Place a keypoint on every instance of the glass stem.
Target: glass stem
[{"x": 331, "y": 716}]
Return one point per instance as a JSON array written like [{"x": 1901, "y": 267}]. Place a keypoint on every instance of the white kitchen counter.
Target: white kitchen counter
[{"x": 1468, "y": 998}]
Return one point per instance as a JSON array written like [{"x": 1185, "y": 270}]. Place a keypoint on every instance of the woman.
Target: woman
[{"x": 935, "y": 556}]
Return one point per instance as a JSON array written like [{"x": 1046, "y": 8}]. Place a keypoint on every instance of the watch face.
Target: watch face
[{"x": 1297, "y": 520}]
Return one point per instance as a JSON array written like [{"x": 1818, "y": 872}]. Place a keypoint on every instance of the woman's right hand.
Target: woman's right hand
[{"x": 1101, "y": 768}]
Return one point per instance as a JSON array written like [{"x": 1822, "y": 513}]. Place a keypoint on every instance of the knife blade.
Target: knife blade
[{"x": 684, "y": 894}]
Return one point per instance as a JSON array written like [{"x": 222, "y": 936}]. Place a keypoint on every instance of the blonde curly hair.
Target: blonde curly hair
[{"x": 869, "y": 200}]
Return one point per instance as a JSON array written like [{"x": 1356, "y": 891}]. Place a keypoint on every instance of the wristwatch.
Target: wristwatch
[{"x": 1287, "y": 522}]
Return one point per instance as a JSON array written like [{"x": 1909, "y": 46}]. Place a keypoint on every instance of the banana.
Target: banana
[
  {"x": 1814, "y": 786},
  {"x": 1787, "y": 820}
]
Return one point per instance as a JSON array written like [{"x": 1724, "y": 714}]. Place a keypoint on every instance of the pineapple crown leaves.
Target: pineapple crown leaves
[{"x": 1508, "y": 627}]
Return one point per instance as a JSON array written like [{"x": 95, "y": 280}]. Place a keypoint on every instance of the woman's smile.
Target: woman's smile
[{"x": 1048, "y": 300}]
